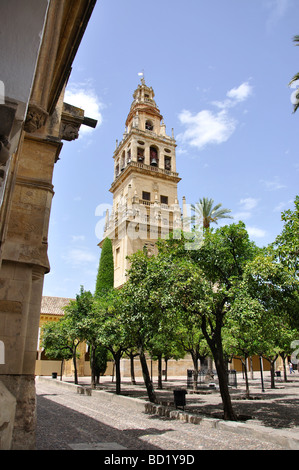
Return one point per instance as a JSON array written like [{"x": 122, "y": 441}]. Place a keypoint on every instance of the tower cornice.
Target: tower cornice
[
  {"x": 143, "y": 108},
  {"x": 144, "y": 134},
  {"x": 142, "y": 169}
]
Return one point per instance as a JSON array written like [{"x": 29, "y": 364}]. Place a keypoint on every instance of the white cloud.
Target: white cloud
[
  {"x": 282, "y": 206},
  {"x": 248, "y": 203},
  {"x": 272, "y": 185},
  {"x": 277, "y": 10},
  {"x": 83, "y": 96},
  {"x": 235, "y": 96},
  {"x": 207, "y": 127},
  {"x": 240, "y": 93},
  {"x": 256, "y": 232},
  {"x": 79, "y": 256},
  {"x": 78, "y": 238},
  {"x": 242, "y": 215}
]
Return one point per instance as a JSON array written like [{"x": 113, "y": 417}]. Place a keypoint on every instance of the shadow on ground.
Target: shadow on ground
[
  {"x": 277, "y": 408},
  {"x": 59, "y": 426}
]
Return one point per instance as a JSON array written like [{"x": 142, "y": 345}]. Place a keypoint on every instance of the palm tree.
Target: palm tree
[
  {"x": 295, "y": 78},
  {"x": 206, "y": 214}
]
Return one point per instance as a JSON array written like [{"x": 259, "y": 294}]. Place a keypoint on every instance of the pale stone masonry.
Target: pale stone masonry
[
  {"x": 145, "y": 201},
  {"x": 39, "y": 41}
]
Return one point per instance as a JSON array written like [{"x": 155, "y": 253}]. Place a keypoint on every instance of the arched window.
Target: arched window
[
  {"x": 140, "y": 154},
  {"x": 149, "y": 125},
  {"x": 123, "y": 161},
  {"x": 167, "y": 163},
  {"x": 154, "y": 159}
]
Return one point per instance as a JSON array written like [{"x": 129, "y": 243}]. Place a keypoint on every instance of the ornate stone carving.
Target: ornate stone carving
[
  {"x": 69, "y": 131},
  {"x": 35, "y": 119}
]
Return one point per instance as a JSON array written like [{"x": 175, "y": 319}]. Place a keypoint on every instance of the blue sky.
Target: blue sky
[{"x": 220, "y": 71}]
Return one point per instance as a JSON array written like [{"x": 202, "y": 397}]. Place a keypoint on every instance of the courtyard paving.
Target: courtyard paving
[{"x": 68, "y": 420}]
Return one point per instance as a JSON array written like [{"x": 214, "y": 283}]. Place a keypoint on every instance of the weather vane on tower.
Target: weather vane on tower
[{"x": 141, "y": 74}]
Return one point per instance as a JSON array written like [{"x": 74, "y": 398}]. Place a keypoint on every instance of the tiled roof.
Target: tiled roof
[{"x": 54, "y": 305}]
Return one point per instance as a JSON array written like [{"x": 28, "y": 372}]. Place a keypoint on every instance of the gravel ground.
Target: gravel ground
[{"x": 67, "y": 420}]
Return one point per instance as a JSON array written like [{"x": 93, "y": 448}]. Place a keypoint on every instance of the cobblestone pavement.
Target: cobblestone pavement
[{"x": 68, "y": 420}]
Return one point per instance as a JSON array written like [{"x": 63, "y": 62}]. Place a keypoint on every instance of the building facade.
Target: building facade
[{"x": 52, "y": 309}]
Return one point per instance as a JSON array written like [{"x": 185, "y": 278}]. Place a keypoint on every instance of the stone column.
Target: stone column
[
  {"x": 24, "y": 263},
  {"x": 147, "y": 154}
]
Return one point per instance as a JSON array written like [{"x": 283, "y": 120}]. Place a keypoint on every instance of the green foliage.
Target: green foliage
[
  {"x": 227, "y": 295},
  {"x": 206, "y": 213},
  {"x": 105, "y": 277},
  {"x": 286, "y": 245},
  {"x": 295, "y": 78},
  {"x": 100, "y": 360},
  {"x": 56, "y": 341}
]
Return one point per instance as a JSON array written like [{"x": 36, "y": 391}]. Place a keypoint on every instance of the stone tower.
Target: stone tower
[{"x": 145, "y": 203}]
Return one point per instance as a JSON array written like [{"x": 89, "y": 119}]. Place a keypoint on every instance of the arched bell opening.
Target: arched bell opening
[
  {"x": 149, "y": 125},
  {"x": 154, "y": 156}
]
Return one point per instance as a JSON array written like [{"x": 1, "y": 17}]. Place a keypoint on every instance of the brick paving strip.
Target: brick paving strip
[{"x": 74, "y": 417}]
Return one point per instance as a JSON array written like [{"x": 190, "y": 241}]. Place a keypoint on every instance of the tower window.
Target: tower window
[
  {"x": 149, "y": 126},
  {"x": 123, "y": 161},
  {"x": 154, "y": 156},
  {"x": 140, "y": 154},
  {"x": 167, "y": 163},
  {"x": 146, "y": 196},
  {"x": 117, "y": 257},
  {"x": 164, "y": 199}
]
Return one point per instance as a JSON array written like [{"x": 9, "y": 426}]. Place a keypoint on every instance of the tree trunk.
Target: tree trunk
[
  {"x": 146, "y": 377},
  {"x": 272, "y": 374},
  {"x": 117, "y": 375},
  {"x": 261, "y": 368},
  {"x": 75, "y": 366},
  {"x": 166, "y": 365},
  {"x": 61, "y": 369},
  {"x": 246, "y": 375},
  {"x": 160, "y": 372},
  {"x": 215, "y": 344},
  {"x": 92, "y": 366},
  {"x": 228, "y": 411},
  {"x": 272, "y": 369},
  {"x": 195, "y": 369},
  {"x": 133, "y": 381}
]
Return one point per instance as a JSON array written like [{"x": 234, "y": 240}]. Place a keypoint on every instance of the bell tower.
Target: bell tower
[{"x": 145, "y": 203}]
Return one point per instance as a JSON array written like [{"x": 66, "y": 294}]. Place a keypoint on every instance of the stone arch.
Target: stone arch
[{"x": 154, "y": 155}]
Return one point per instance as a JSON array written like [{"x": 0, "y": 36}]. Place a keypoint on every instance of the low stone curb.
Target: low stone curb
[
  {"x": 286, "y": 439},
  {"x": 106, "y": 396}
]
